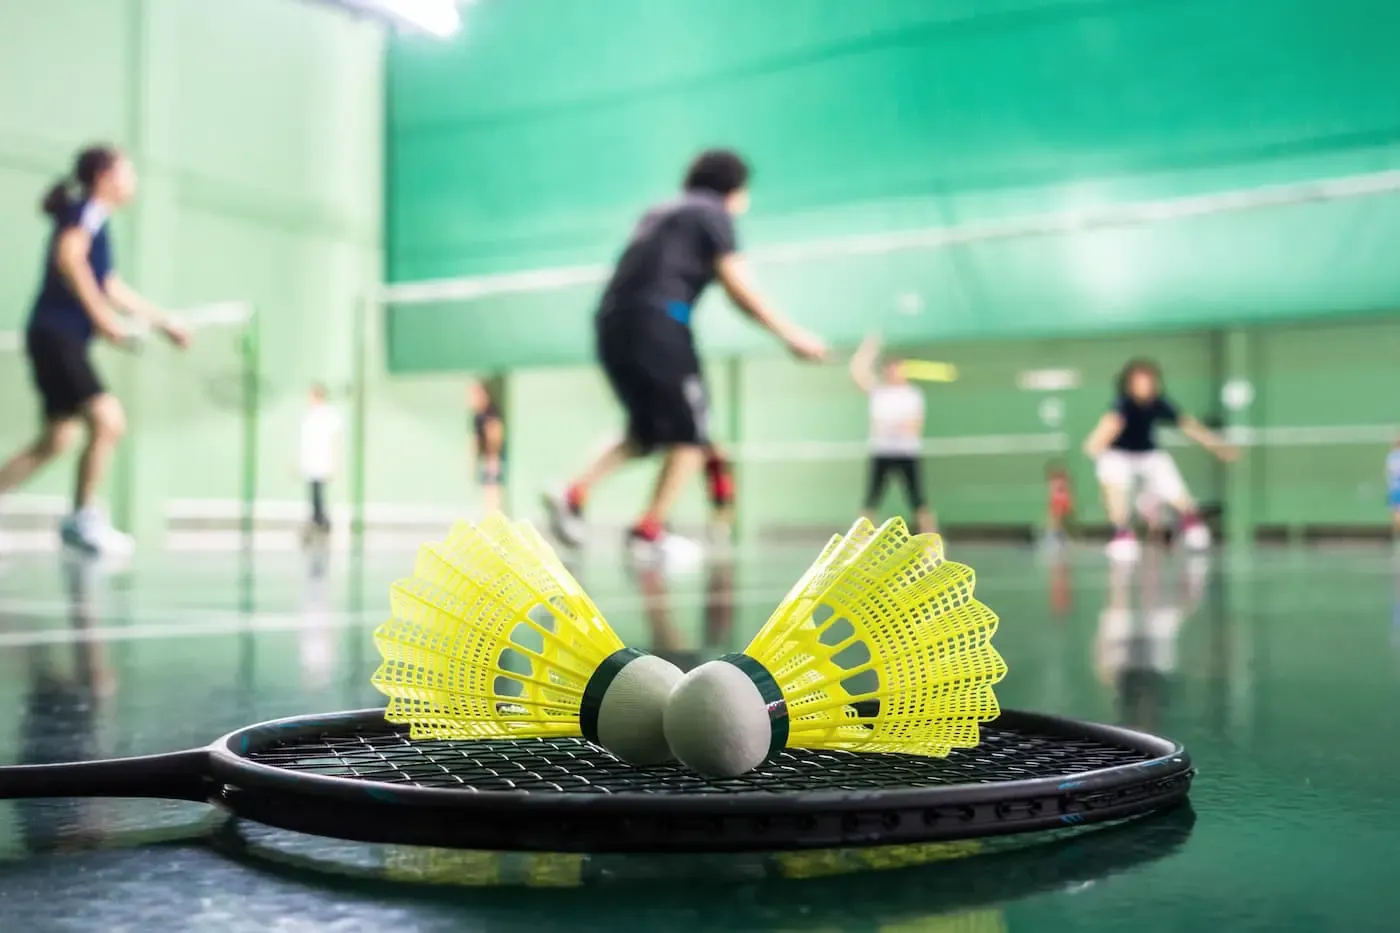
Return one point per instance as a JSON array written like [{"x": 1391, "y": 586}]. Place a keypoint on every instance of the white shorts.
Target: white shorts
[{"x": 1153, "y": 472}]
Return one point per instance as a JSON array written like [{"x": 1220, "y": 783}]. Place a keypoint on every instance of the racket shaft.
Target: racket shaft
[{"x": 175, "y": 776}]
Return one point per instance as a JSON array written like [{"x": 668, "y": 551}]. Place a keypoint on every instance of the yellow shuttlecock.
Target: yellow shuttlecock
[
  {"x": 493, "y": 638},
  {"x": 880, "y": 647}
]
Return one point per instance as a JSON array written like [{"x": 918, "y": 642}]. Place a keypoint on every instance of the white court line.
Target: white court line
[
  {"x": 202, "y": 624},
  {"x": 205, "y": 624}
]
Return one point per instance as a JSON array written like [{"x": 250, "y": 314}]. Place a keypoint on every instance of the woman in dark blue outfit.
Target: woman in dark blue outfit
[{"x": 77, "y": 297}]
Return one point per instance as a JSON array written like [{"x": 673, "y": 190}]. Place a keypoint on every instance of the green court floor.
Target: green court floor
[{"x": 1280, "y": 672}]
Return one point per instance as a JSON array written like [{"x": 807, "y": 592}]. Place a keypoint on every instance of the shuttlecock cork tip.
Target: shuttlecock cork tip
[
  {"x": 727, "y": 717},
  {"x": 623, "y": 704}
]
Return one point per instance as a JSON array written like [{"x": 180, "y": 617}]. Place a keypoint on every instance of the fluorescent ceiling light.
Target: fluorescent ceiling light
[{"x": 436, "y": 17}]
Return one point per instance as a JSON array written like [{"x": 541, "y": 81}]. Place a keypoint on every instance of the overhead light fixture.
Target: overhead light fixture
[{"x": 439, "y": 18}]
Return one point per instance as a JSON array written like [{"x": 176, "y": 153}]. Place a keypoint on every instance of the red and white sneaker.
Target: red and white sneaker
[
  {"x": 1195, "y": 535},
  {"x": 1124, "y": 546}
]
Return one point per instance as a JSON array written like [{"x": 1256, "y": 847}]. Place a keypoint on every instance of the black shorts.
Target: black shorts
[
  {"x": 62, "y": 372},
  {"x": 905, "y": 468},
  {"x": 655, "y": 373}
]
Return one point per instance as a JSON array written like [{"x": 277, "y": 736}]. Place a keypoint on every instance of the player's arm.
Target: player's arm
[
  {"x": 71, "y": 261},
  {"x": 1206, "y": 438},
  {"x": 1108, "y": 428},
  {"x": 732, "y": 276},
  {"x": 135, "y": 304},
  {"x": 862, "y": 365}
]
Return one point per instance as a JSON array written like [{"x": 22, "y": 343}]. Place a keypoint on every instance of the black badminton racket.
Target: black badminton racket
[{"x": 354, "y": 776}]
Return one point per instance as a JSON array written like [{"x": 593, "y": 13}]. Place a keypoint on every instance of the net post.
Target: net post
[
  {"x": 250, "y": 344},
  {"x": 365, "y": 307},
  {"x": 733, "y": 378},
  {"x": 1238, "y": 372}
]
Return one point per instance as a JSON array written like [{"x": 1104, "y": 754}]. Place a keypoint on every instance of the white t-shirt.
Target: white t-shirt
[
  {"x": 320, "y": 428},
  {"x": 896, "y": 420}
]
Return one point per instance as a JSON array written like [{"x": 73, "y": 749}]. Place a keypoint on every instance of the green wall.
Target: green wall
[
  {"x": 257, "y": 127},
  {"x": 532, "y": 143}
]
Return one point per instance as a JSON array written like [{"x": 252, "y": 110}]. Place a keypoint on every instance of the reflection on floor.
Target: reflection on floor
[{"x": 1280, "y": 672}]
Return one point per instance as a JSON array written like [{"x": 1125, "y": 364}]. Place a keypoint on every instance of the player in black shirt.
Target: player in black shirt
[
  {"x": 489, "y": 431},
  {"x": 1124, "y": 448},
  {"x": 647, "y": 349}
]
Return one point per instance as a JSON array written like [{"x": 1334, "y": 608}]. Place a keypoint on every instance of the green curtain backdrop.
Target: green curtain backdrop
[{"x": 533, "y": 141}]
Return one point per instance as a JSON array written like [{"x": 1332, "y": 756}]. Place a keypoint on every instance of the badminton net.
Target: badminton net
[
  {"x": 890, "y": 275},
  {"x": 1300, "y": 478}
]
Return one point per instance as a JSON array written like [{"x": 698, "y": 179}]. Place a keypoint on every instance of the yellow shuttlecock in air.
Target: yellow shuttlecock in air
[
  {"x": 492, "y": 638},
  {"x": 880, "y": 647}
]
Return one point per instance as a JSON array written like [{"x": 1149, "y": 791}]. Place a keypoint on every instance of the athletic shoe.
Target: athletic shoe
[
  {"x": 90, "y": 532},
  {"x": 564, "y": 520},
  {"x": 1196, "y": 536},
  {"x": 1124, "y": 546},
  {"x": 668, "y": 551}
]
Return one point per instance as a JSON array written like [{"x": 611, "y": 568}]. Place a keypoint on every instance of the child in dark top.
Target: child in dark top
[
  {"x": 1060, "y": 507},
  {"x": 489, "y": 431},
  {"x": 1124, "y": 448}
]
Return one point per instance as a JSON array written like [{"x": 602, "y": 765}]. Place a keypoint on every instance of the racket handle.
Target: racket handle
[{"x": 174, "y": 776}]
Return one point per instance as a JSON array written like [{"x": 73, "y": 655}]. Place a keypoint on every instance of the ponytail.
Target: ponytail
[
  {"x": 91, "y": 163},
  {"x": 58, "y": 200}
]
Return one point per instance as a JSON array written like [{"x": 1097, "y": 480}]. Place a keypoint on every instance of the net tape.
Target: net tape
[{"x": 1063, "y": 222}]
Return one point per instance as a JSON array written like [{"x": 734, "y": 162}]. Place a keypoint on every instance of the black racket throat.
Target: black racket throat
[{"x": 173, "y": 776}]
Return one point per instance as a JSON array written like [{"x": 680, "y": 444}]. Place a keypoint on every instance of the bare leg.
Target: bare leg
[
  {"x": 925, "y": 519},
  {"x": 566, "y": 511},
  {"x": 1115, "y": 502},
  {"x": 681, "y": 464},
  {"x": 1395, "y": 522},
  {"x": 106, "y": 424},
  {"x": 1184, "y": 505},
  {"x": 608, "y": 462},
  {"x": 57, "y": 436},
  {"x": 492, "y": 499}
]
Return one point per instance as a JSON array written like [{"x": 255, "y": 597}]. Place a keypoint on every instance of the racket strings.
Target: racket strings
[{"x": 571, "y": 766}]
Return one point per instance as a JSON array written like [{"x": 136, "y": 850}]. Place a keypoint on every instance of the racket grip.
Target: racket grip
[{"x": 173, "y": 776}]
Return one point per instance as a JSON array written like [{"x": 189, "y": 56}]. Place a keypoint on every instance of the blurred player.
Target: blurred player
[
  {"x": 719, "y": 490},
  {"x": 1124, "y": 448},
  {"x": 647, "y": 349},
  {"x": 77, "y": 294},
  {"x": 1392, "y": 481},
  {"x": 896, "y": 431},
  {"x": 489, "y": 429},
  {"x": 1059, "y": 511},
  {"x": 320, "y": 453}
]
